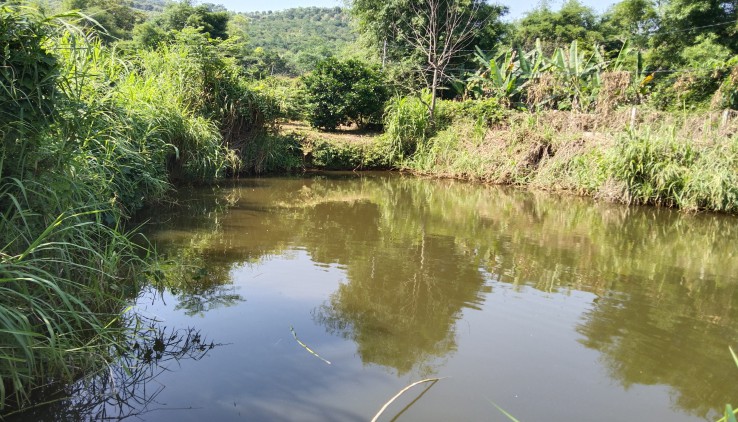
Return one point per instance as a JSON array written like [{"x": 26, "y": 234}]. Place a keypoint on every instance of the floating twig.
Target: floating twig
[
  {"x": 504, "y": 412},
  {"x": 386, "y": 405},
  {"x": 307, "y": 348}
]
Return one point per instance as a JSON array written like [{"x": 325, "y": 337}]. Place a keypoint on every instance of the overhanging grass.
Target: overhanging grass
[{"x": 61, "y": 290}]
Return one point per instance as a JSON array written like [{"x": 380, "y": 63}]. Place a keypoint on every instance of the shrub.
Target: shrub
[
  {"x": 288, "y": 94},
  {"x": 485, "y": 111},
  {"x": 407, "y": 124},
  {"x": 343, "y": 92}
]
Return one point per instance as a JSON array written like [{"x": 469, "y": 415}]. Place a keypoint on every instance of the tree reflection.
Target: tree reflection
[
  {"x": 417, "y": 253},
  {"x": 124, "y": 388},
  {"x": 683, "y": 345},
  {"x": 401, "y": 309}
]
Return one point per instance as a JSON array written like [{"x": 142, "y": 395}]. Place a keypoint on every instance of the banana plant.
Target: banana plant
[
  {"x": 579, "y": 75},
  {"x": 504, "y": 76}
]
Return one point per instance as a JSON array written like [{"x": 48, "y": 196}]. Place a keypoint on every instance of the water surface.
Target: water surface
[{"x": 554, "y": 308}]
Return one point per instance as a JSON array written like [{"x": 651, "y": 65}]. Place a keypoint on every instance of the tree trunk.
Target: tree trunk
[{"x": 434, "y": 86}]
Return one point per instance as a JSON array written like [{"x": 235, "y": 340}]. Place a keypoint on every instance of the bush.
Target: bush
[
  {"x": 288, "y": 94},
  {"x": 343, "y": 92},
  {"x": 332, "y": 155},
  {"x": 484, "y": 111},
  {"x": 407, "y": 124}
]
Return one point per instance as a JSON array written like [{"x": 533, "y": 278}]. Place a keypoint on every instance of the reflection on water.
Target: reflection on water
[
  {"x": 650, "y": 291},
  {"x": 127, "y": 387}
]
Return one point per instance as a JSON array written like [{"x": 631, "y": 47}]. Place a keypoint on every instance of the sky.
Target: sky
[{"x": 517, "y": 8}]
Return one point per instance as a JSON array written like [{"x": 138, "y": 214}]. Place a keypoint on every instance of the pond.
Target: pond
[{"x": 553, "y": 308}]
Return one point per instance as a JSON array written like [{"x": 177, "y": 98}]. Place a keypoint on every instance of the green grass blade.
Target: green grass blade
[{"x": 504, "y": 412}]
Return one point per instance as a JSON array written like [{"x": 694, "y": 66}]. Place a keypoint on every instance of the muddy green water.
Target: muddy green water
[{"x": 554, "y": 308}]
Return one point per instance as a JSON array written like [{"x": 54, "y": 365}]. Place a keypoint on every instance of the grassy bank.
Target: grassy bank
[
  {"x": 348, "y": 149},
  {"x": 687, "y": 161}
]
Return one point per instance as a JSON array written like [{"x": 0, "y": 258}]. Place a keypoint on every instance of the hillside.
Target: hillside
[
  {"x": 148, "y": 5},
  {"x": 302, "y": 35}
]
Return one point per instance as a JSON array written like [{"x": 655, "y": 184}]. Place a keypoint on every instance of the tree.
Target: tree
[
  {"x": 114, "y": 19},
  {"x": 344, "y": 92},
  {"x": 685, "y": 23},
  {"x": 180, "y": 15},
  {"x": 633, "y": 20},
  {"x": 573, "y": 21},
  {"x": 429, "y": 36},
  {"x": 441, "y": 29}
]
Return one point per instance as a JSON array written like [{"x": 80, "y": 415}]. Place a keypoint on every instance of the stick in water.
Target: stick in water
[
  {"x": 294, "y": 334},
  {"x": 386, "y": 405}
]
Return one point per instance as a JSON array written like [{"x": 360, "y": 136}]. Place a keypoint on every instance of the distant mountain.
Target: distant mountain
[
  {"x": 148, "y": 5},
  {"x": 302, "y": 35}
]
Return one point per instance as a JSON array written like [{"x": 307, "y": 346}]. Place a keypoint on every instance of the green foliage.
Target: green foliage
[
  {"x": 654, "y": 167},
  {"x": 296, "y": 39},
  {"x": 573, "y": 22},
  {"x": 288, "y": 94},
  {"x": 177, "y": 16},
  {"x": 64, "y": 259},
  {"x": 577, "y": 75},
  {"x": 269, "y": 153},
  {"x": 570, "y": 79},
  {"x": 63, "y": 288},
  {"x": 28, "y": 71},
  {"x": 340, "y": 93},
  {"x": 483, "y": 111},
  {"x": 389, "y": 28},
  {"x": 663, "y": 170},
  {"x": 727, "y": 95},
  {"x": 654, "y": 170},
  {"x": 89, "y": 136},
  {"x": 632, "y": 20},
  {"x": 504, "y": 77},
  {"x": 677, "y": 28},
  {"x": 407, "y": 125},
  {"x": 110, "y": 19},
  {"x": 333, "y": 155}
]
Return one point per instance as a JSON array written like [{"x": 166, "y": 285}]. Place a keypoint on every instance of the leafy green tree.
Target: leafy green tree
[
  {"x": 260, "y": 64},
  {"x": 342, "y": 92},
  {"x": 633, "y": 20},
  {"x": 393, "y": 28},
  {"x": 113, "y": 19},
  {"x": 684, "y": 22},
  {"x": 208, "y": 19},
  {"x": 573, "y": 21}
]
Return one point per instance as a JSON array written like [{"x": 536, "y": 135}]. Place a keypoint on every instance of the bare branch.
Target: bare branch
[{"x": 442, "y": 29}]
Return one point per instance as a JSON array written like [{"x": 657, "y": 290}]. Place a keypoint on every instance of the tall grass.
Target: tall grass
[
  {"x": 407, "y": 125},
  {"x": 88, "y": 136},
  {"x": 63, "y": 286}
]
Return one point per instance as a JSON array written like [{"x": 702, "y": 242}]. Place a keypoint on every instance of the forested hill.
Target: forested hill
[
  {"x": 301, "y": 36},
  {"x": 149, "y": 5}
]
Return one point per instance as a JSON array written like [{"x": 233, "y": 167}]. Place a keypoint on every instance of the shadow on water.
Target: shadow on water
[{"x": 417, "y": 253}]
